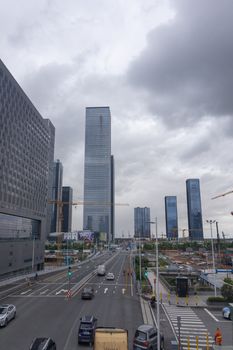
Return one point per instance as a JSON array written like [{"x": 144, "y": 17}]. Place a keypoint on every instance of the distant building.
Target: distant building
[
  {"x": 112, "y": 238},
  {"x": 56, "y": 195},
  {"x": 67, "y": 198},
  {"x": 98, "y": 177},
  {"x": 171, "y": 217},
  {"x": 142, "y": 222},
  {"x": 194, "y": 209},
  {"x": 26, "y": 149}
]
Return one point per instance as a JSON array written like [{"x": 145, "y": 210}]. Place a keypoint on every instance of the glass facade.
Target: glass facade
[
  {"x": 56, "y": 195},
  {"x": 67, "y": 197},
  {"x": 171, "y": 217},
  {"x": 15, "y": 227},
  {"x": 97, "y": 171},
  {"x": 194, "y": 209},
  {"x": 142, "y": 222}
]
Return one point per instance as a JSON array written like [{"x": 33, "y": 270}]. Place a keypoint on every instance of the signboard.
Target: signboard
[{"x": 86, "y": 236}]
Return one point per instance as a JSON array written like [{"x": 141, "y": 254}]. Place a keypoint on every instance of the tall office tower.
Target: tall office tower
[
  {"x": 171, "y": 217},
  {"x": 50, "y": 177},
  {"x": 97, "y": 171},
  {"x": 56, "y": 221},
  {"x": 142, "y": 222},
  {"x": 67, "y": 198},
  {"x": 25, "y": 146},
  {"x": 194, "y": 209},
  {"x": 112, "y": 199}
]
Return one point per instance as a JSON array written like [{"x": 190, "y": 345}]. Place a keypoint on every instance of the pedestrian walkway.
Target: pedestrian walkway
[{"x": 192, "y": 332}]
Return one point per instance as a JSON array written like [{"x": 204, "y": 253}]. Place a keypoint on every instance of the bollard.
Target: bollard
[
  {"x": 161, "y": 297},
  {"x": 197, "y": 342},
  {"x": 196, "y": 297},
  {"x": 207, "y": 341},
  {"x": 177, "y": 300},
  {"x": 169, "y": 298},
  {"x": 188, "y": 343},
  {"x": 187, "y": 300}
]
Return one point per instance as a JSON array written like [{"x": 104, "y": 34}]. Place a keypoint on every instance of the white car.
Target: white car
[
  {"x": 7, "y": 313},
  {"x": 110, "y": 276}
]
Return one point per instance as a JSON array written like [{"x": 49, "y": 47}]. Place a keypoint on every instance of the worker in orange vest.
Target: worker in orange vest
[{"x": 218, "y": 337}]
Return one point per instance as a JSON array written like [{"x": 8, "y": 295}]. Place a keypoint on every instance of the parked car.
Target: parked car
[
  {"x": 7, "y": 313},
  {"x": 87, "y": 293},
  {"x": 226, "y": 312},
  {"x": 110, "y": 276},
  {"x": 86, "y": 331},
  {"x": 43, "y": 344},
  {"x": 146, "y": 338}
]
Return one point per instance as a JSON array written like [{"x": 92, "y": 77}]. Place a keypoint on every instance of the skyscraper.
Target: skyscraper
[
  {"x": 171, "y": 217},
  {"x": 112, "y": 199},
  {"x": 26, "y": 147},
  {"x": 67, "y": 198},
  {"x": 97, "y": 215},
  {"x": 194, "y": 209},
  {"x": 56, "y": 195},
  {"x": 142, "y": 222}
]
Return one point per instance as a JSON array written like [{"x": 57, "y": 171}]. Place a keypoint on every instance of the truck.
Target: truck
[
  {"x": 111, "y": 338},
  {"x": 101, "y": 270}
]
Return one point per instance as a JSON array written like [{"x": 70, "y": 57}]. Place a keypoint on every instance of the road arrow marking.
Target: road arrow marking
[
  {"x": 44, "y": 291},
  {"x": 62, "y": 291},
  {"x": 105, "y": 290},
  {"x": 29, "y": 290}
]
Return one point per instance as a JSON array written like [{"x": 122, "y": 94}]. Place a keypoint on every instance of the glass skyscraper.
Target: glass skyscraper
[
  {"x": 67, "y": 198},
  {"x": 98, "y": 177},
  {"x": 171, "y": 217},
  {"x": 142, "y": 222},
  {"x": 194, "y": 209},
  {"x": 56, "y": 195}
]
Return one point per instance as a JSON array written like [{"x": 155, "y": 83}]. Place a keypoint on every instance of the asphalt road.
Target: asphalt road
[{"x": 43, "y": 308}]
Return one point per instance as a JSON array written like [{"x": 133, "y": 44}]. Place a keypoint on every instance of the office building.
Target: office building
[
  {"x": 171, "y": 217},
  {"x": 56, "y": 222},
  {"x": 25, "y": 150},
  {"x": 142, "y": 223},
  {"x": 67, "y": 199},
  {"x": 112, "y": 199},
  {"x": 97, "y": 214},
  {"x": 194, "y": 209}
]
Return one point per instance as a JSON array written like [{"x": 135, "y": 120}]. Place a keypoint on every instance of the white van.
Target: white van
[{"x": 101, "y": 270}]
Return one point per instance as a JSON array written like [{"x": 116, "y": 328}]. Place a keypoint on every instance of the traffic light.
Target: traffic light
[
  {"x": 69, "y": 272},
  {"x": 146, "y": 272}
]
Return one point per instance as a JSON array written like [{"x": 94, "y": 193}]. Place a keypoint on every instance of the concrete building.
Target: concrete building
[
  {"x": 142, "y": 223},
  {"x": 171, "y": 217},
  {"x": 26, "y": 148},
  {"x": 67, "y": 198},
  {"x": 194, "y": 209},
  {"x": 98, "y": 190}
]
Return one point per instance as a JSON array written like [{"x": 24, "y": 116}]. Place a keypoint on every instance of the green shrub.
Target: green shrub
[
  {"x": 227, "y": 292},
  {"x": 216, "y": 299}
]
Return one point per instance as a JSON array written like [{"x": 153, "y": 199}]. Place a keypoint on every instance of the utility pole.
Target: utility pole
[{"x": 218, "y": 243}]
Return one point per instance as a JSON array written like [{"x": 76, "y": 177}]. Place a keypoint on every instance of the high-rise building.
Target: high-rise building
[
  {"x": 56, "y": 196},
  {"x": 25, "y": 151},
  {"x": 142, "y": 222},
  {"x": 67, "y": 198},
  {"x": 194, "y": 209},
  {"x": 97, "y": 216},
  {"x": 171, "y": 217},
  {"x": 112, "y": 199}
]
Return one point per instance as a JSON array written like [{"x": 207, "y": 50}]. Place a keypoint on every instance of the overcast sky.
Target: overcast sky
[{"x": 165, "y": 69}]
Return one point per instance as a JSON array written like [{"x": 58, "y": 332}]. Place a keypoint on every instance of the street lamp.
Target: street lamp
[
  {"x": 157, "y": 277},
  {"x": 211, "y": 222}
]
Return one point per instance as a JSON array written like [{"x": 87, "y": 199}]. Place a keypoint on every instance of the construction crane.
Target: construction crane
[
  {"x": 60, "y": 205},
  {"x": 222, "y": 195}
]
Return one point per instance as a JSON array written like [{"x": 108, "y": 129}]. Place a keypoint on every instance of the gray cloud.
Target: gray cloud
[{"x": 187, "y": 66}]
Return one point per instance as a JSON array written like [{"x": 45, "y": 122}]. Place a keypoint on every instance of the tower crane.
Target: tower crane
[{"x": 222, "y": 194}]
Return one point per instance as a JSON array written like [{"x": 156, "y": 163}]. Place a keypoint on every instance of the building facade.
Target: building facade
[
  {"x": 67, "y": 199},
  {"x": 171, "y": 217},
  {"x": 25, "y": 145},
  {"x": 97, "y": 212},
  {"x": 194, "y": 209},
  {"x": 112, "y": 199},
  {"x": 142, "y": 223},
  {"x": 56, "y": 222}
]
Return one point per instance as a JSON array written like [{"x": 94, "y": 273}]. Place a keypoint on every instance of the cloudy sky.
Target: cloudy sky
[{"x": 164, "y": 67}]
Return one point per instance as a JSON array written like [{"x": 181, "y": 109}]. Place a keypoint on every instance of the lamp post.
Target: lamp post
[
  {"x": 211, "y": 222},
  {"x": 157, "y": 279}
]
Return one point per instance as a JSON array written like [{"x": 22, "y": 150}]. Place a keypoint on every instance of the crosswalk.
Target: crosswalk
[{"x": 193, "y": 333}]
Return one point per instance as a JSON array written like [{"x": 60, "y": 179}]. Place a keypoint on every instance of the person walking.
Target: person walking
[{"x": 218, "y": 337}]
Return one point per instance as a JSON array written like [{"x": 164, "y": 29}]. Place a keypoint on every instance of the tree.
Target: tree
[{"x": 227, "y": 292}]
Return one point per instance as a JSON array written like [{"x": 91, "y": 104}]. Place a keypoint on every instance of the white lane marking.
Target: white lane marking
[
  {"x": 114, "y": 292},
  {"x": 105, "y": 290},
  {"x": 123, "y": 290},
  {"x": 27, "y": 291},
  {"x": 61, "y": 291},
  {"x": 44, "y": 291},
  {"x": 211, "y": 315}
]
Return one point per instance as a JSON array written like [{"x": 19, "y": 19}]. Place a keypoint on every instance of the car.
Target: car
[
  {"x": 226, "y": 312},
  {"x": 110, "y": 276},
  {"x": 7, "y": 313},
  {"x": 43, "y": 344},
  {"x": 86, "y": 331},
  {"x": 146, "y": 338},
  {"x": 87, "y": 293}
]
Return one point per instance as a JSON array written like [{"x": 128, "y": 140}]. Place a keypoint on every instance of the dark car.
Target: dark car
[
  {"x": 87, "y": 293},
  {"x": 43, "y": 344},
  {"x": 146, "y": 338},
  {"x": 86, "y": 331}
]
